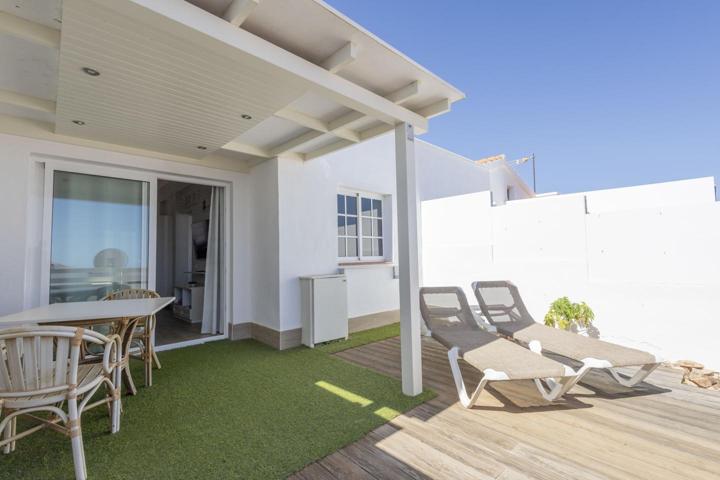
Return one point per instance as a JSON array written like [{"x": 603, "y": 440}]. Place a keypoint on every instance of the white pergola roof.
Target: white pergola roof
[{"x": 181, "y": 78}]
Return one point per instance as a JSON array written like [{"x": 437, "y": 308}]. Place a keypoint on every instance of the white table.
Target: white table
[{"x": 89, "y": 313}]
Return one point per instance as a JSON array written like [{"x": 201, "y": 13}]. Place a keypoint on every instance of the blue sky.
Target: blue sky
[{"x": 606, "y": 94}]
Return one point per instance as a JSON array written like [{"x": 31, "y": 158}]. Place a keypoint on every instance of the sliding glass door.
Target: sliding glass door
[{"x": 99, "y": 237}]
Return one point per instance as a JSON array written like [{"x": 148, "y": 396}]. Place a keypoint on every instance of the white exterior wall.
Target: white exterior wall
[
  {"x": 21, "y": 196},
  {"x": 264, "y": 245},
  {"x": 442, "y": 173},
  {"x": 284, "y": 220},
  {"x": 307, "y": 217},
  {"x": 308, "y": 225},
  {"x": 646, "y": 260}
]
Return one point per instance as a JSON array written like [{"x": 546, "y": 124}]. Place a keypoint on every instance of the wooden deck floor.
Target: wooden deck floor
[{"x": 659, "y": 430}]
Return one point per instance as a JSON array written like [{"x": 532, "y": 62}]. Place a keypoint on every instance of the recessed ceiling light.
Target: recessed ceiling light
[
  {"x": 91, "y": 71},
  {"x": 78, "y": 122},
  {"x": 202, "y": 147},
  {"x": 246, "y": 116}
]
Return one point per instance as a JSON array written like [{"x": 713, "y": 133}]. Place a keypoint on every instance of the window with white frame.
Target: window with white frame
[{"x": 360, "y": 226}]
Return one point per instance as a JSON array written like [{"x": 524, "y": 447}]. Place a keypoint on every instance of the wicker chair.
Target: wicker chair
[
  {"x": 40, "y": 371},
  {"x": 143, "y": 334}
]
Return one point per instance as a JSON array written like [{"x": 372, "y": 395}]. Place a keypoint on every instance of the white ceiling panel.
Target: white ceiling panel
[
  {"x": 365, "y": 123},
  {"x": 318, "y": 107},
  {"x": 44, "y": 12},
  {"x": 21, "y": 112},
  {"x": 174, "y": 77},
  {"x": 320, "y": 142},
  {"x": 248, "y": 160},
  {"x": 271, "y": 132},
  {"x": 28, "y": 68},
  {"x": 158, "y": 91},
  {"x": 418, "y": 103}
]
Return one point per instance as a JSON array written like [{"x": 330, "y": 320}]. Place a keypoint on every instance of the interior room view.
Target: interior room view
[{"x": 183, "y": 223}]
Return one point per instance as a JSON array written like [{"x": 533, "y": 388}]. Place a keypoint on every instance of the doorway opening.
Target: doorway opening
[{"x": 189, "y": 263}]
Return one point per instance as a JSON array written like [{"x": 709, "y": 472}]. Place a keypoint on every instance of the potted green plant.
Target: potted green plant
[{"x": 567, "y": 315}]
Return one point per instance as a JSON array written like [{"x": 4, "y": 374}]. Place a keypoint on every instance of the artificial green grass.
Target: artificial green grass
[
  {"x": 362, "y": 338},
  {"x": 224, "y": 410}
]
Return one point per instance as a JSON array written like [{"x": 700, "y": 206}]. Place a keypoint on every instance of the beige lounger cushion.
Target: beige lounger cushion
[
  {"x": 484, "y": 350},
  {"x": 502, "y": 305},
  {"x": 574, "y": 346}
]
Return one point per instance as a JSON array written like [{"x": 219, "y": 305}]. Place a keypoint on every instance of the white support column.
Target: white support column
[{"x": 409, "y": 260}]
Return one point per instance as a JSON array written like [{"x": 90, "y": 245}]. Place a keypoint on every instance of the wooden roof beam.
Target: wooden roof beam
[
  {"x": 401, "y": 95},
  {"x": 405, "y": 93},
  {"x": 247, "y": 149},
  {"x": 364, "y": 135},
  {"x": 318, "y": 125},
  {"x": 342, "y": 57},
  {"x": 293, "y": 144},
  {"x": 239, "y": 10},
  {"x": 435, "y": 109}
]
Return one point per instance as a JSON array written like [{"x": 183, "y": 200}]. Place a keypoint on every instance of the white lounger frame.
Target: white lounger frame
[
  {"x": 588, "y": 363},
  {"x": 638, "y": 377},
  {"x": 551, "y": 390}
]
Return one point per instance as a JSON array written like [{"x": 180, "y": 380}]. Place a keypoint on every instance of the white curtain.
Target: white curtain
[{"x": 214, "y": 302}]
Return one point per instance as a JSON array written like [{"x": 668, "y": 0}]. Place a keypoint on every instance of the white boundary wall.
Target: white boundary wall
[{"x": 646, "y": 258}]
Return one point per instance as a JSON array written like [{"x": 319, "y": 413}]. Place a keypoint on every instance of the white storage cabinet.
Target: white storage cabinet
[{"x": 324, "y": 308}]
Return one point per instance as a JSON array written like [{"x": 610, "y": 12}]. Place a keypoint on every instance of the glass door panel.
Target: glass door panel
[{"x": 100, "y": 236}]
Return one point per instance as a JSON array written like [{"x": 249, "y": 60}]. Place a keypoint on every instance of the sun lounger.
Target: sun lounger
[
  {"x": 502, "y": 306},
  {"x": 450, "y": 321}
]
